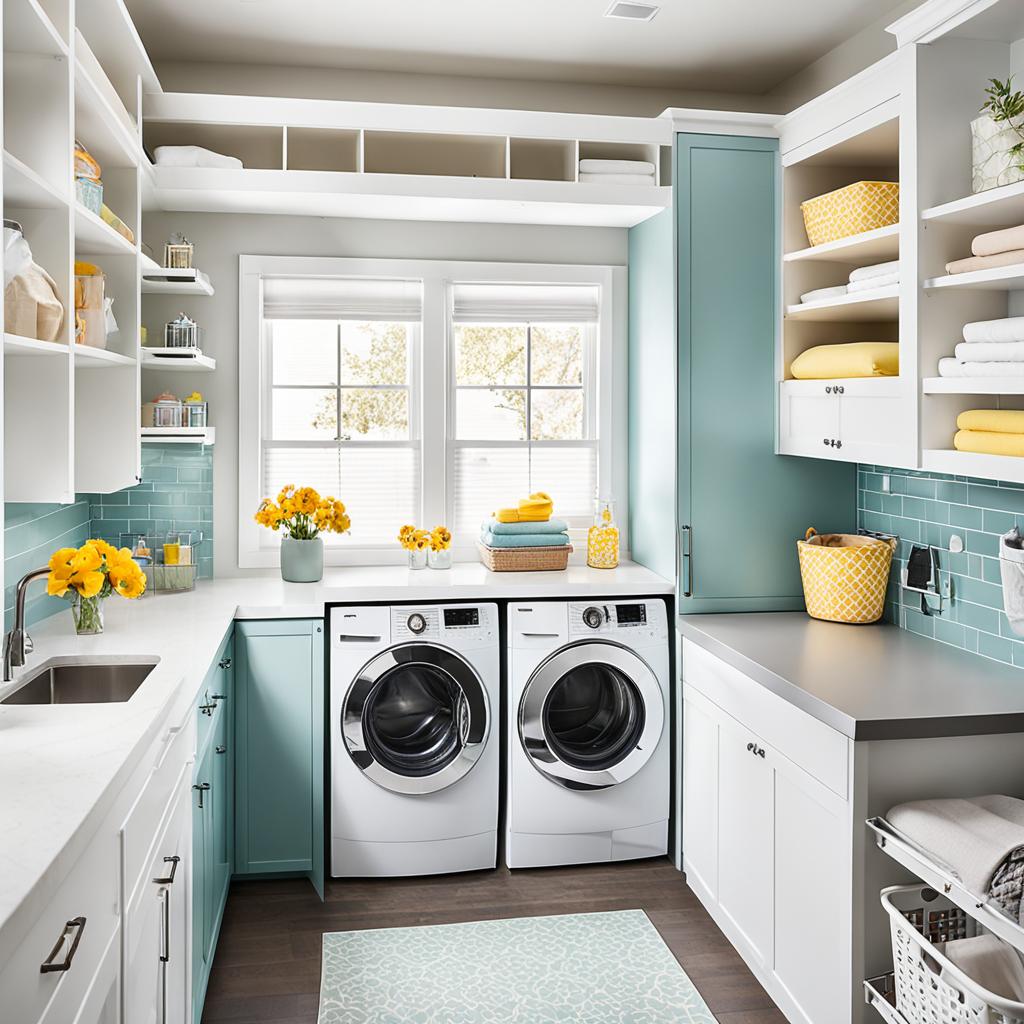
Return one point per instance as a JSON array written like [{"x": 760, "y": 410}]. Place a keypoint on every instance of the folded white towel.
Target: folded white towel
[
  {"x": 824, "y": 294},
  {"x": 618, "y": 179},
  {"x": 990, "y": 352},
  {"x": 950, "y": 367},
  {"x": 193, "y": 156},
  {"x": 876, "y": 270},
  {"x": 868, "y": 284},
  {"x": 989, "y": 962},
  {"x": 616, "y": 167},
  {"x": 1010, "y": 328}
]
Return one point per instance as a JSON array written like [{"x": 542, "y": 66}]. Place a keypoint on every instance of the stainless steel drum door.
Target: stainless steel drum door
[
  {"x": 591, "y": 715},
  {"x": 416, "y": 718}
]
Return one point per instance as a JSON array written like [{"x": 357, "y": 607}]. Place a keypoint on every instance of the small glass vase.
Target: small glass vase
[
  {"x": 88, "y": 615},
  {"x": 440, "y": 559},
  {"x": 417, "y": 558}
]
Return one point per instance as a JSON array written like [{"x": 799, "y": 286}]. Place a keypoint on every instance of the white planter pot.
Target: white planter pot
[
  {"x": 302, "y": 561},
  {"x": 993, "y": 163}
]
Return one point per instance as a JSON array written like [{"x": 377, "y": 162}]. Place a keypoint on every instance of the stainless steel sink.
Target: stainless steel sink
[{"x": 105, "y": 683}]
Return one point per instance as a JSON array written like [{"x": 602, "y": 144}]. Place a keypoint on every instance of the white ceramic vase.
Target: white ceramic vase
[
  {"x": 302, "y": 561},
  {"x": 993, "y": 163}
]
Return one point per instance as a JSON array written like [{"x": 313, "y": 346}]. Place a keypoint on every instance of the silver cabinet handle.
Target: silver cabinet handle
[
  {"x": 202, "y": 787},
  {"x": 218, "y": 696},
  {"x": 686, "y": 552},
  {"x": 165, "y": 926},
  {"x": 169, "y": 879},
  {"x": 220, "y": 750},
  {"x": 224, "y": 663},
  {"x": 50, "y": 964}
]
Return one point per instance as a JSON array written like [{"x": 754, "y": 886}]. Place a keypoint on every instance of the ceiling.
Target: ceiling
[{"x": 709, "y": 45}]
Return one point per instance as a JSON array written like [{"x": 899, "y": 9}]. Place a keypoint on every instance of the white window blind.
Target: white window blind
[
  {"x": 545, "y": 303},
  {"x": 341, "y": 298}
]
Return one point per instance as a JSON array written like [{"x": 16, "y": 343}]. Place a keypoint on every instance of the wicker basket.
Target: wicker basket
[
  {"x": 525, "y": 559},
  {"x": 931, "y": 989},
  {"x": 845, "y": 576},
  {"x": 862, "y": 206}
]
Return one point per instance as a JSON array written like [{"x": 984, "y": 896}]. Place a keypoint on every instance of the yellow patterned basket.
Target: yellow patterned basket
[
  {"x": 845, "y": 575},
  {"x": 862, "y": 206}
]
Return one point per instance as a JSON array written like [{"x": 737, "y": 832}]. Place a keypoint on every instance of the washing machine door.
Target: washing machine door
[
  {"x": 416, "y": 718},
  {"x": 591, "y": 715}
]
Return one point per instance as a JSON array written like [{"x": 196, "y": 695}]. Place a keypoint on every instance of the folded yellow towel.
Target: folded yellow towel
[
  {"x": 854, "y": 359},
  {"x": 537, "y": 508},
  {"x": 988, "y": 442},
  {"x": 999, "y": 421}
]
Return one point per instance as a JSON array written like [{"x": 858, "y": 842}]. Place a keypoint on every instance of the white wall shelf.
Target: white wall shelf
[
  {"x": 863, "y": 307},
  {"x": 24, "y": 188},
  {"x": 166, "y": 281},
  {"x": 178, "y": 435},
  {"x": 94, "y": 237},
  {"x": 99, "y": 358},
  {"x": 878, "y": 246},
  {"x": 989, "y": 467},
  {"x": 172, "y": 360},
  {"x": 102, "y": 123},
  {"x": 996, "y": 208},
  {"x": 16, "y": 345},
  {"x": 974, "y": 385},
  {"x": 1000, "y": 279}
]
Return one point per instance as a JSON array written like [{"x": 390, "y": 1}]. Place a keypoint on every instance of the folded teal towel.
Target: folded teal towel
[
  {"x": 551, "y": 526},
  {"x": 524, "y": 540}
]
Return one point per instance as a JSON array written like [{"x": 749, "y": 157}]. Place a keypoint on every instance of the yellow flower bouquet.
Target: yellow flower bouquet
[
  {"x": 86, "y": 576},
  {"x": 303, "y": 515}
]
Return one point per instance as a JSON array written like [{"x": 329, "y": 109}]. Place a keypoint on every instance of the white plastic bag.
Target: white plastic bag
[
  {"x": 1011, "y": 567},
  {"x": 17, "y": 254},
  {"x": 108, "y": 309}
]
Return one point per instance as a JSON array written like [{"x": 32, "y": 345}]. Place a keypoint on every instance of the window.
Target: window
[
  {"x": 525, "y": 406},
  {"x": 427, "y": 392}
]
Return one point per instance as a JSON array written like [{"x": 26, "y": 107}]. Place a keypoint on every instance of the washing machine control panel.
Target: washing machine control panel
[
  {"x": 431, "y": 622},
  {"x": 622, "y": 618}
]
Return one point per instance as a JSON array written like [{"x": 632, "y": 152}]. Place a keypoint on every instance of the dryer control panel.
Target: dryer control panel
[
  {"x": 450, "y": 624},
  {"x": 628, "y": 619}
]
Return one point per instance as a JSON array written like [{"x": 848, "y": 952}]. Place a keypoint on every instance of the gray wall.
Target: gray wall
[{"x": 221, "y": 238}]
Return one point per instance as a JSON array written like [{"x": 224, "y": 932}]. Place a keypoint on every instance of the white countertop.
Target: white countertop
[{"x": 62, "y": 766}]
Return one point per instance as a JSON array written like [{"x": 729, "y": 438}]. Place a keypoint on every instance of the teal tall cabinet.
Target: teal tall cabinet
[
  {"x": 736, "y": 508},
  {"x": 279, "y": 735}
]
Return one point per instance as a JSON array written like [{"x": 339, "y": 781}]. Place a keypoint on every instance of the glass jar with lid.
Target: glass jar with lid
[{"x": 603, "y": 537}]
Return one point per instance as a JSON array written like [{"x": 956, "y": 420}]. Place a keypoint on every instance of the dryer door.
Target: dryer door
[
  {"x": 591, "y": 715},
  {"x": 416, "y": 718}
]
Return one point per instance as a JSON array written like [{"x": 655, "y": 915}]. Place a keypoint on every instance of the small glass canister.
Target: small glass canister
[{"x": 603, "y": 538}]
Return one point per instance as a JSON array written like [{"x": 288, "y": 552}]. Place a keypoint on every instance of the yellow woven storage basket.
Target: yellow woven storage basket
[
  {"x": 862, "y": 206},
  {"x": 845, "y": 575}
]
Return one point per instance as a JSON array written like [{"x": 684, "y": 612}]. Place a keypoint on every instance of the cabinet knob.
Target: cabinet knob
[
  {"x": 51, "y": 965},
  {"x": 218, "y": 696},
  {"x": 828, "y": 390},
  {"x": 220, "y": 750},
  {"x": 825, "y": 442},
  {"x": 750, "y": 746},
  {"x": 224, "y": 663}
]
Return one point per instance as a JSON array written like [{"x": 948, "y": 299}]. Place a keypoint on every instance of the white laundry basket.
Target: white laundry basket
[
  {"x": 930, "y": 989},
  {"x": 1011, "y": 569}
]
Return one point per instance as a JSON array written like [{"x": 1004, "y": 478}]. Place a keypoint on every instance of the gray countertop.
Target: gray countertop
[{"x": 868, "y": 682}]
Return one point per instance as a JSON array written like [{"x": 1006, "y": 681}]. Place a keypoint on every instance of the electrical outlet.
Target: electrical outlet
[{"x": 886, "y": 485}]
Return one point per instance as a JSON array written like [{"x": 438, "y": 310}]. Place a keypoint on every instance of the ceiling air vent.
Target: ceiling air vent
[{"x": 631, "y": 12}]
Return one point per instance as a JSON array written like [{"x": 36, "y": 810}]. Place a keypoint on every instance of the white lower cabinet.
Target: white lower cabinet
[{"x": 766, "y": 845}]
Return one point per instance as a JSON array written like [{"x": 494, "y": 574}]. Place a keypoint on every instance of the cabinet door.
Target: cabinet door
[
  {"x": 812, "y": 886},
  {"x": 726, "y": 191},
  {"x": 745, "y": 836},
  {"x": 808, "y": 418},
  {"x": 202, "y": 880},
  {"x": 223, "y": 784},
  {"x": 279, "y": 729},
  {"x": 700, "y": 793},
  {"x": 876, "y": 424}
]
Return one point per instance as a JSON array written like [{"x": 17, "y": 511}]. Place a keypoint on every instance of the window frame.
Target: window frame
[{"x": 432, "y": 403}]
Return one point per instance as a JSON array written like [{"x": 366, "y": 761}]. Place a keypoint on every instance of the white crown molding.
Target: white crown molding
[
  {"x": 722, "y": 122},
  {"x": 936, "y": 18}
]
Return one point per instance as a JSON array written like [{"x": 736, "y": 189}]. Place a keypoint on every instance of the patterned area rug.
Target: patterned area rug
[{"x": 594, "y": 968}]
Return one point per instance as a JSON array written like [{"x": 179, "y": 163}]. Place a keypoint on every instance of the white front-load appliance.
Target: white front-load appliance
[
  {"x": 414, "y": 741},
  {"x": 588, "y": 731}
]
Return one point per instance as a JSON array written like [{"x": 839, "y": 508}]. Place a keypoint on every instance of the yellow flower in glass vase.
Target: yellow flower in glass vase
[
  {"x": 128, "y": 579},
  {"x": 406, "y": 537},
  {"x": 88, "y": 583},
  {"x": 86, "y": 559}
]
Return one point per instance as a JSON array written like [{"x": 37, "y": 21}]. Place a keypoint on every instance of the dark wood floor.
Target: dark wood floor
[{"x": 267, "y": 967}]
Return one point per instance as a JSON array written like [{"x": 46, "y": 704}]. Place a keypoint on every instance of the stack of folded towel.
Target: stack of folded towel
[
  {"x": 990, "y": 432},
  {"x": 617, "y": 172},
  {"x": 527, "y": 525},
  {"x": 993, "y": 249},
  {"x": 991, "y": 348},
  {"x": 863, "y": 279}
]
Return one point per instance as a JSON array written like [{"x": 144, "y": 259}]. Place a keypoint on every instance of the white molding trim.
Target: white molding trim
[
  {"x": 935, "y": 19},
  {"x": 436, "y": 276},
  {"x": 722, "y": 122}
]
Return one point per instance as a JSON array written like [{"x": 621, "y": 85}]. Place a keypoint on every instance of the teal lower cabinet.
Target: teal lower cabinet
[
  {"x": 279, "y": 760},
  {"x": 213, "y": 800}
]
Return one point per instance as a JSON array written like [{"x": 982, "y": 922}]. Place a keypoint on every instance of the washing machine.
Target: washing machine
[
  {"x": 414, "y": 743},
  {"x": 588, "y": 731}
]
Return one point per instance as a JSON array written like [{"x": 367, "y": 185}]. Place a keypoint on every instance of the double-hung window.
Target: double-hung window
[
  {"x": 524, "y": 414},
  {"x": 340, "y": 408}
]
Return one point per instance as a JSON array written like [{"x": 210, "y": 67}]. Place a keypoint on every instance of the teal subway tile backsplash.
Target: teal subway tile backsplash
[
  {"x": 176, "y": 493},
  {"x": 928, "y": 508}
]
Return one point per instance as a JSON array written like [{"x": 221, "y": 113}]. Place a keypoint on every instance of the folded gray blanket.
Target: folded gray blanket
[{"x": 981, "y": 840}]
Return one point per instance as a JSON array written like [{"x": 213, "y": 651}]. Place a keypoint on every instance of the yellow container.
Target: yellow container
[
  {"x": 845, "y": 575},
  {"x": 862, "y": 206}
]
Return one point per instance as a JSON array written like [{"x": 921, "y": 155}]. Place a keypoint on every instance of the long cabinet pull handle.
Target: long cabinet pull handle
[
  {"x": 169, "y": 878},
  {"x": 686, "y": 552},
  {"x": 202, "y": 787},
  {"x": 50, "y": 964},
  {"x": 165, "y": 926}
]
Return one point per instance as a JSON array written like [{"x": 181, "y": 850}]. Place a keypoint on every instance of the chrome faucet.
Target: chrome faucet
[{"x": 17, "y": 643}]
